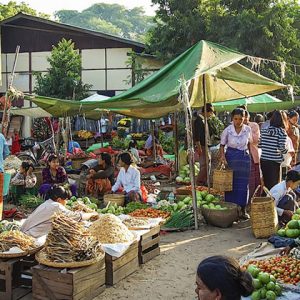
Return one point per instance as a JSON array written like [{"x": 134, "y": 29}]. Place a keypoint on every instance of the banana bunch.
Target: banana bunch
[{"x": 84, "y": 134}]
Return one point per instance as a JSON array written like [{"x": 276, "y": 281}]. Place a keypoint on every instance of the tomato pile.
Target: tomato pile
[{"x": 284, "y": 268}]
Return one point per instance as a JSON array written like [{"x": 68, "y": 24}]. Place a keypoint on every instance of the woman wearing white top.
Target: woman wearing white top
[
  {"x": 39, "y": 222},
  {"x": 132, "y": 148},
  {"x": 129, "y": 179}
]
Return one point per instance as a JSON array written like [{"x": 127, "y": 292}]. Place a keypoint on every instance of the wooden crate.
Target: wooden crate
[
  {"x": 149, "y": 245},
  {"x": 63, "y": 284},
  {"x": 12, "y": 273},
  {"x": 118, "y": 268}
]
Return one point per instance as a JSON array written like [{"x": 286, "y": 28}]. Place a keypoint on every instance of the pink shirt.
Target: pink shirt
[
  {"x": 254, "y": 150},
  {"x": 232, "y": 139}
]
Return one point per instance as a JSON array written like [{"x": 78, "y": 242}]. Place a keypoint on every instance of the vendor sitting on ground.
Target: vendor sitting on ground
[
  {"x": 129, "y": 179},
  {"x": 54, "y": 174},
  {"x": 285, "y": 198},
  {"x": 149, "y": 145},
  {"x": 39, "y": 222},
  {"x": 24, "y": 181},
  {"x": 101, "y": 178}
]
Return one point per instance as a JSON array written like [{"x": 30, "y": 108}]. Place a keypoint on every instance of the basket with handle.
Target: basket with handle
[
  {"x": 118, "y": 199},
  {"x": 222, "y": 179},
  {"x": 264, "y": 219}
]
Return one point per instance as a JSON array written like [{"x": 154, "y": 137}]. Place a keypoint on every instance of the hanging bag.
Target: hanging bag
[
  {"x": 222, "y": 179},
  {"x": 264, "y": 219}
]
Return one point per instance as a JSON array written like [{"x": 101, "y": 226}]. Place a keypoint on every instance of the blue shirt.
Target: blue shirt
[
  {"x": 73, "y": 145},
  {"x": 4, "y": 151}
]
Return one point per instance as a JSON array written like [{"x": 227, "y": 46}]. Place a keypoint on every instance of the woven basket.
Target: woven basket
[
  {"x": 118, "y": 199},
  {"x": 221, "y": 218},
  {"x": 77, "y": 162},
  {"x": 42, "y": 259},
  {"x": 222, "y": 179},
  {"x": 264, "y": 219}
]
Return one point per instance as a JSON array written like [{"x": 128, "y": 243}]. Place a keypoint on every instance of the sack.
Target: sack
[
  {"x": 264, "y": 219},
  {"x": 222, "y": 179}
]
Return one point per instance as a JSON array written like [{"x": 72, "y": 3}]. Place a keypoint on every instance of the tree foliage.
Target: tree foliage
[
  {"x": 12, "y": 8},
  {"x": 109, "y": 18},
  {"x": 268, "y": 29},
  {"x": 63, "y": 79}
]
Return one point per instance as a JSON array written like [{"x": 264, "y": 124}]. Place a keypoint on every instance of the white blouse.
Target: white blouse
[{"x": 232, "y": 139}]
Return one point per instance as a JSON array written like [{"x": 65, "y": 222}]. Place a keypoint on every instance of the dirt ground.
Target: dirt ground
[{"x": 172, "y": 274}]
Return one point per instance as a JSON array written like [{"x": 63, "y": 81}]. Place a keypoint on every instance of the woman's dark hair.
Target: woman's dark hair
[
  {"x": 107, "y": 158},
  {"x": 224, "y": 273},
  {"x": 132, "y": 144},
  {"x": 30, "y": 165},
  {"x": 52, "y": 157},
  {"x": 58, "y": 191},
  {"x": 25, "y": 165},
  {"x": 209, "y": 108},
  {"x": 270, "y": 115},
  {"x": 292, "y": 114},
  {"x": 243, "y": 106},
  {"x": 238, "y": 111},
  {"x": 279, "y": 119},
  {"x": 247, "y": 114},
  {"x": 259, "y": 118},
  {"x": 292, "y": 176},
  {"x": 126, "y": 158}
]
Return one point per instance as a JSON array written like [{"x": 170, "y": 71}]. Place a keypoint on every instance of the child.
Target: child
[
  {"x": 16, "y": 147},
  {"x": 285, "y": 198}
]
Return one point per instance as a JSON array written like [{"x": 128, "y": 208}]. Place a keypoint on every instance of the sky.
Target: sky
[{"x": 50, "y": 6}]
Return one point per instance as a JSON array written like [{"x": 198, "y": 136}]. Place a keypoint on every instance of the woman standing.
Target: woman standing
[
  {"x": 293, "y": 133},
  {"x": 236, "y": 137},
  {"x": 273, "y": 143},
  {"x": 101, "y": 178},
  {"x": 254, "y": 180},
  {"x": 132, "y": 148}
]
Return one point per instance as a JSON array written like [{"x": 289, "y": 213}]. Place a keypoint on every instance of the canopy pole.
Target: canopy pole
[
  {"x": 206, "y": 134},
  {"x": 175, "y": 134},
  {"x": 153, "y": 139},
  {"x": 184, "y": 99}
]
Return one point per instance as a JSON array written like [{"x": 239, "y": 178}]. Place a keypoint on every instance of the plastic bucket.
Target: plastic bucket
[{"x": 6, "y": 182}]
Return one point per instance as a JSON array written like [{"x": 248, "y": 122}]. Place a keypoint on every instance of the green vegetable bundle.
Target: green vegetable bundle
[
  {"x": 30, "y": 201},
  {"x": 132, "y": 206},
  {"x": 180, "y": 219}
]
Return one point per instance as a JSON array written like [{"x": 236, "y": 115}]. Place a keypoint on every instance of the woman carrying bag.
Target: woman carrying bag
[{"x": 236, "y": 138}]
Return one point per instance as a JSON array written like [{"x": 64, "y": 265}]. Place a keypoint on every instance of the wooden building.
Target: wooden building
[{"x": 104, "y": 57}]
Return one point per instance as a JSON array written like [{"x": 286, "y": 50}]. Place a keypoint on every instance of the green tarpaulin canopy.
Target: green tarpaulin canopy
[{"x": 211, "y": 70}]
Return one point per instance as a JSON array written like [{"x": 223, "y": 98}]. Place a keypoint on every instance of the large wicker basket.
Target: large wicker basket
[
  {"x": 77, "y": 162},
  {"x": 264, "y": 219},
  {"x": 221, "y": 218},
  {"x": 118, "y": 199},
  {"x": 222, "y": 179}
]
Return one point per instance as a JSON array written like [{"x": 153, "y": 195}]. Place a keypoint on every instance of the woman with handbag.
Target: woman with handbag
[{"x": 236, "y": 138}]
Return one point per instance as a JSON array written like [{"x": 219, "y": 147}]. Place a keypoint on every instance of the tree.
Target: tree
[
  {"x": 109, "y": 18},
  {"x": 267, "y": 29},
  {"x": 12, "y": 8},
  {"x": 63, "y": 79}
]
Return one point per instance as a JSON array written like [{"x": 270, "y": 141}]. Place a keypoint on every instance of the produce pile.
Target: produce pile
[
  {"x": 69, "y": 241},
  {"x": 16, "y": 238},
  {"x": 184, "y": 174},
  {"x": 292, "y": 229},
  {"x": 7, "y": 226},
  {"x": 266, "y": 286},
  {"x": 84, "y": 134},
  {"x": 30, "y": 201},
  {"x": 150, "y": 213},
  {"x": 84, "y": 204},
  {"x": 133, "y": 222},
  {"x": 118, "y": 210},
  {"x": 181, "y": 220},
  {"x": 12, "y": 162},
  {"x": 284, "y": 268},
  {"x": 109, "y": 229}
]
